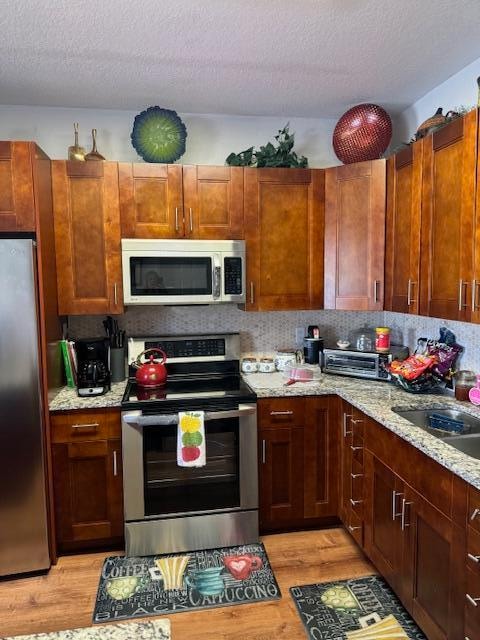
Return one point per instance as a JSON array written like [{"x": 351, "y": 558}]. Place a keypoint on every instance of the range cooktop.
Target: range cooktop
[{"x": 194, "y": 393}]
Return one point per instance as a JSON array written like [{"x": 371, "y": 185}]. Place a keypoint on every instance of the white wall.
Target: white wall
[
  {"x": 210, "y": 138},
  {"x": 459, "y": 90}
]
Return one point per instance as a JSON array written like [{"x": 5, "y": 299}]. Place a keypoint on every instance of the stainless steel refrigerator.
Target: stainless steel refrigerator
[{"x": 23, "y": 508}]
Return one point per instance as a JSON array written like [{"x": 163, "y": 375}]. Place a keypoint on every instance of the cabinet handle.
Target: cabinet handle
[
  {"x": 472, "y": 601},
  {"x": 475, "y": 513},
  {"x": 281, "y": 413},
  {"x": 395, "y": 495},
  {"x": 88, "y": 425},
  {"x": 115, "y": 466},
  {"x": 461, "y": 305},
  {"x": 409, "y": 292},
  {"x": 356, "y": 421},
  {"x": 375, "y": 291},
  {"x": 356, "y": 475},
  {"x": 355, "y": 502},
  {"x": 264, "y": 451},
  {"x": 473, "y": 558},
  {"x": 191, "y": 220},
  {"x": 355, "y": 448},
  {"x": 115, "y": 293},
  {"x": 176, "y": 219},
  {"x": 404, "y": 523},
  {"x": 252, "y": 296},
  {"x": 474, "y": 295},
  {"x": 350, "y": 528},
  {"x": 345, "y": 432}
]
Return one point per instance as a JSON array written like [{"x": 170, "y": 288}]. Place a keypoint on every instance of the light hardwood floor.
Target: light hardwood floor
[{"x": 64, "y": 598}]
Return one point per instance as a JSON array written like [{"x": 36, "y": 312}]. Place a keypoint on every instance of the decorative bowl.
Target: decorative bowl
[
  {"x": 159, "y": 135},
  {"x": 343, "y": 344}
]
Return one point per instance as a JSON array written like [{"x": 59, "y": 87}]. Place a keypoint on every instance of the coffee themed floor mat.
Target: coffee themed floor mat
[
  {"x": 357, "y": 609},
  {"x": 157, "y": 585}
]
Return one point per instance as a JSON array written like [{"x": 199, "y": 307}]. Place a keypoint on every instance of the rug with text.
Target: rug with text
[
  {"x": 157, "y": 585},
  {"x": 357, "y": 609}
]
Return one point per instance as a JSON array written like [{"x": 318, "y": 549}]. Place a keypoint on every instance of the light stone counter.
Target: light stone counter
[
  {"x": 373, "y": 398},
  {"x": 376, "y": 400},
  {"x": 68, "y": 400}
]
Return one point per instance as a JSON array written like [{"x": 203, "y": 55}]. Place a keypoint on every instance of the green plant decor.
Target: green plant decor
[{"x": 270, "y": 155}]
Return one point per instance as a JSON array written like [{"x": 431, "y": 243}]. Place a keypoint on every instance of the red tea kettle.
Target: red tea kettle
[{"x": 151, "y": 374}]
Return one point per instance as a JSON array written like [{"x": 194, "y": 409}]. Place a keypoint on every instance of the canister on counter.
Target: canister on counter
[{"x": 382, "y": 339}]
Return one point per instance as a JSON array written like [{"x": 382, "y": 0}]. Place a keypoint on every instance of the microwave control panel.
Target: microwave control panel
[{"x": 233, "y": 276}]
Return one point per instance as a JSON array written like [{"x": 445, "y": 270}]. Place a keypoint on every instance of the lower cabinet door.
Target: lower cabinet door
[
  {"x": 88, "y": 491},
  {"x": 383, "y": 501},
  {"x": 434, "y": 556},
  {"x": 281, "y": 476}
]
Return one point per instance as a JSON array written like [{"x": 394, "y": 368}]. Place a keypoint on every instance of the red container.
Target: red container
[{"x": 382, "y": 339}]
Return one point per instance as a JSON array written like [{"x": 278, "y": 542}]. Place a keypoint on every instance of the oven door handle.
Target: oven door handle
[{"x": 172, "y": 418}]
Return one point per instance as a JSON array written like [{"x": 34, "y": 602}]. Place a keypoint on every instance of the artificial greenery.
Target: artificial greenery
[{"x": 270, "y": 155}]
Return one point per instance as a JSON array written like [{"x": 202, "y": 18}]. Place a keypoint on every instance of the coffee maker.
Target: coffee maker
[{"x": 93, "y": 375}]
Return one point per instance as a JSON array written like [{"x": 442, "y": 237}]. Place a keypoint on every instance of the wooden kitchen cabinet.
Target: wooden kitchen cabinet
[
  {"x": 434, "y": 559},
  {"x": 171, "y": 201},
  {"x": 213, "y": 202},
  {"x": 298, "y": 453},
  {"x": 284, "y": 221},
  {"x": 404, "y": 208},
  {"x": 151, "y": 200},
  {"x": 17, "y": 199},
  {"x": 350, "y": 430},
  {"x": 87, "y": 479},
  {"x": 355, "y": 236},
  {"x": 448, "y": 218},
  {"x": 383, "y": 501},
  {"x": 87, "y": 237}
]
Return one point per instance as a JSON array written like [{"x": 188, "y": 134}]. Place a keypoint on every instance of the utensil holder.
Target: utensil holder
[{"x": 117, "y": 364}]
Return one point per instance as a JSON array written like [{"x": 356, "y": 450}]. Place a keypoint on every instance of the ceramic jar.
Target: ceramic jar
[
  {"x": 249, "y": 365},
  {"x": 285, "y": 358},
  {"x": 266, "y": 365}
]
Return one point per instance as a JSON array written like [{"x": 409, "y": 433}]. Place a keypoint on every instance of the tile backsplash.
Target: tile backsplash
[
  {"x": 261, "y": 332},
  {"x": 264, "y": 332}
]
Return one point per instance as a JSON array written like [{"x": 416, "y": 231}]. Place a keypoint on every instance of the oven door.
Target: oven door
[
  {"x": 155, "y": 486},
  {"x": 171, "y": 277}
]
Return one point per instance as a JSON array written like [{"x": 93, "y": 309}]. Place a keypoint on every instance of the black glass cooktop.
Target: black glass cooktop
[{"x": 194, "y": 393}]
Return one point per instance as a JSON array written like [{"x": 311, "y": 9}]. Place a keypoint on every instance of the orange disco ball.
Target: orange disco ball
[{"x": 362, "y": 133}]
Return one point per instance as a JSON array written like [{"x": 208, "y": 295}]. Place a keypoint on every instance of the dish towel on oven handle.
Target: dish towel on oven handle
[{"x": 191, "y": 439}]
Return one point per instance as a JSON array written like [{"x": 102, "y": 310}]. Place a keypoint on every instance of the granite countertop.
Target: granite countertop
[
  {"x": 68, "y": 400},
  {"x": 373, "y": 398},
  {"x": 376, "y": 400}
]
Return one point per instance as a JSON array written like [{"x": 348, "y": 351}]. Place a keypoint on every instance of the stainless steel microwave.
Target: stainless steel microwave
[{"x": 183, "y": 271}]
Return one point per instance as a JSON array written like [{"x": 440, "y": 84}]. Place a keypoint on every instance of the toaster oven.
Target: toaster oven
[{"x": 362, "y": 364}]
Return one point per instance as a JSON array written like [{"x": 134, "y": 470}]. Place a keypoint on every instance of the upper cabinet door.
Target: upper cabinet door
[
  {"x": 17, "y": 204},
  {"x": 213, "y": 202},
  {"x": 404, "y": 205},
  {"x": 355, "y": 236},
  {"x": 151, "y": 200},
  {"x": 87, "y": 237},
  {"x": 284, "y": 218},
  {"x": 448, "y": 212}
]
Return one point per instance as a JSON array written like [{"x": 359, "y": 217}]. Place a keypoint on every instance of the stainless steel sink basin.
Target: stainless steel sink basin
[{"x": 468, "y": 440}]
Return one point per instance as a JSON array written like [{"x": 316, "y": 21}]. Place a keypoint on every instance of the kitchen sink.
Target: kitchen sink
[{"x": 467, "y": 436}]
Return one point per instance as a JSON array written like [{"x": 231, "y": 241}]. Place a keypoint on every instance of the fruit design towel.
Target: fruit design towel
[{"x": 191, "y": 439}]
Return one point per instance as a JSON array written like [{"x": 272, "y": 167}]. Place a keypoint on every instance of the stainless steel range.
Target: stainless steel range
[{"x": 169, "y": 508}]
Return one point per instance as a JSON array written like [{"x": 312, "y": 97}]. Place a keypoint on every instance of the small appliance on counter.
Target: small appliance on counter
[
  {"x": 92, "y": 362},
  {"x": 362, "y": 364}
]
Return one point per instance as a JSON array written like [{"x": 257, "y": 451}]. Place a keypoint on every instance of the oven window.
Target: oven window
[
  {"x": 169, "y": 488},
  {"x": 164, "y": 276}
]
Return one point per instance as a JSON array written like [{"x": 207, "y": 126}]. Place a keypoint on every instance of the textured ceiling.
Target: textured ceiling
[{"x": 253, "y": 57}]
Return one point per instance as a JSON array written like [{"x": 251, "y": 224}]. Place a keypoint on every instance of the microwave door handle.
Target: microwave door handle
[{"x": 217, "y": 278}]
